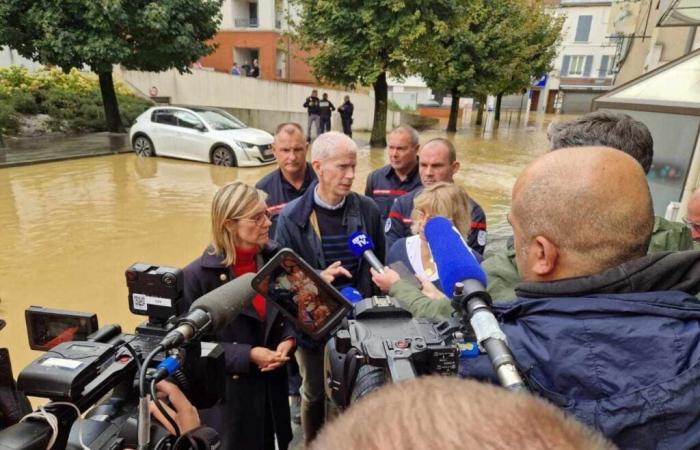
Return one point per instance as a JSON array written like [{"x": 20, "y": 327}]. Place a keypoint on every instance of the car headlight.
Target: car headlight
[{"x": 244, "y": 145}]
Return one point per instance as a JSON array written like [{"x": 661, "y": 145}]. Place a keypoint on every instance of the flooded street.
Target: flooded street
[{"x": 70, "y": 229}]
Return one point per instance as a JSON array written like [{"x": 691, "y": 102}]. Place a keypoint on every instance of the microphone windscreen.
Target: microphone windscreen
[
  {"x": 227, "y": 301},
  {"x": 351, "y": 294},
  {"x": 359, "y": 243},
  {"x": 453, "y": 257}
]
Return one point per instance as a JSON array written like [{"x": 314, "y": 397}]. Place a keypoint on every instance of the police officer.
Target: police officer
[
  {"x": 438, "y": 162},
  {"x": 400, "y": 176},
  {"x": 294, "y": 174},
  {"x": 326, "y": 108},
  {"x": 312, "y": 106}
]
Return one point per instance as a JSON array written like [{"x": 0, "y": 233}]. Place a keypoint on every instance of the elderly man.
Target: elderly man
[
  {"x": 400, "y": 176},
  {"x": 610, "y": 129},
  {"x": 317, "y": 226},
  {"x": 293, "y": 176},
  {"x": 600, "y": 328},
  {"x": 438, "y": 162},
  {"x": 692, "y": 218}
]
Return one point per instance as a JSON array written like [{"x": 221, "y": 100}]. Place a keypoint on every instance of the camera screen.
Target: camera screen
[
  {"x": 46, "y": 328},
  {"x": 311, "y": 303}
]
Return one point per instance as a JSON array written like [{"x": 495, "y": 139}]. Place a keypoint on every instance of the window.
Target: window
[
  {"x": 603, "y": 70},
  {"x": 583, "y": 28},
  {"x": 187, "y": 120},
  {"x": 164, "y": 116},
  {"x": 576, "y": 65}
]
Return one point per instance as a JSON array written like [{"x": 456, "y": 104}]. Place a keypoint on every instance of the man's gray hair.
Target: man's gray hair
[
  {"x": 415, "y": 138},
  {"x": 607, "y": 129},
  {"x": 325, "y": 146}
]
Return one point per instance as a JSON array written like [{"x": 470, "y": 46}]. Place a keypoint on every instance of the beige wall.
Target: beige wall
[{"x": 207, "y": 88}]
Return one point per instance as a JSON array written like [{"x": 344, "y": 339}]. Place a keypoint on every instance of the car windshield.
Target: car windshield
[{"x": 220, "y": 120}]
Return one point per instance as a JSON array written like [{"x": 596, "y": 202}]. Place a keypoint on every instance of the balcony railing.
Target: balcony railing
[{"x": 243, "y": 22}]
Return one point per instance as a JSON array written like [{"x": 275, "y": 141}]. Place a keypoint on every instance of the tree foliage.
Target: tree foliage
[
  {"x": 354, "y": 41},
  {"x": 505, "y": 44},
  {"x": 151, "y": 35}
]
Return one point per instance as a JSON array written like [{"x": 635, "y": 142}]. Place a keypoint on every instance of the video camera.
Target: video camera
[{"x": 86, "y": 368}]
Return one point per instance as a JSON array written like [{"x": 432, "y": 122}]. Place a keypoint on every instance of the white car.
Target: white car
[{"x": 200, "y": 134}]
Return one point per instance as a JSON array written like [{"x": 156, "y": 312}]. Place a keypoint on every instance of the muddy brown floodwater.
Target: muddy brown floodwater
[{"x": 70, "y": 229}]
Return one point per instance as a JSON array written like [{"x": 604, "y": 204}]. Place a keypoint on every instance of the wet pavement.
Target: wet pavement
[{"x": 59, "y": 147}]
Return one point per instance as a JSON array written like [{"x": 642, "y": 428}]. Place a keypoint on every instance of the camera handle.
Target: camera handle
[
  {"x": 398, "y": 361},
  {"x": 474, "y": 304}
]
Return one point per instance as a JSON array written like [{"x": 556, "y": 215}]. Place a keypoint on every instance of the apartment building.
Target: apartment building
[{"x": 253, "y": 29}]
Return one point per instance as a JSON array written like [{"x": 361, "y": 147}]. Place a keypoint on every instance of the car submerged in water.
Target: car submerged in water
[{"x": 200, "y": 134}]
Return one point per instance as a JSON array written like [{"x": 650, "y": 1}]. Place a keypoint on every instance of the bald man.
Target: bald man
[
  {"x": 692, "y": 218},
  {"x": 600, "y": 328}
]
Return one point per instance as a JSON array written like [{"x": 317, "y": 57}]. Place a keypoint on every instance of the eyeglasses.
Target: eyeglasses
[
  {"x": 695, "y": 226},
  {"x": 259, "y": 219}
]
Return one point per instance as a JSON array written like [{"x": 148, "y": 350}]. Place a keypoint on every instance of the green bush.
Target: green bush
[
  {"x": 23, "y": 102},
  {"x": 131, "y": 107},
  {"x": 9, "y": 120}
]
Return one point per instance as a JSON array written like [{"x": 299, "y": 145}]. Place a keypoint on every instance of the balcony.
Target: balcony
[{"x": 245, "y": 22}]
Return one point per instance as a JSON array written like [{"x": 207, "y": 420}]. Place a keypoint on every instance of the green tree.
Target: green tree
[
  {"x": 362, "y": 41},
  {"x": 151, "y": 35}
]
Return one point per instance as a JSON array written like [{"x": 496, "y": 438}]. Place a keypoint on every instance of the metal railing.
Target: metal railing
[{"x": 243, "y": 22}]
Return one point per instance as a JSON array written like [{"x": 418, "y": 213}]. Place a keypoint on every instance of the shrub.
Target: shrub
[
  {"x": 9, "y": 120},
  {"x": 23, "y": 102}
]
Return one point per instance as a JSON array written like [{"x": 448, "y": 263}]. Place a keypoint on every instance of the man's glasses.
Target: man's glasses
[
  {"x": 259, "y": 219},
  {"x": 695, "y": 226}
]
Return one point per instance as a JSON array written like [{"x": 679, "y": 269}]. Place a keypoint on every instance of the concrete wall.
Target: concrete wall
[{"x": 267, "y": 103}]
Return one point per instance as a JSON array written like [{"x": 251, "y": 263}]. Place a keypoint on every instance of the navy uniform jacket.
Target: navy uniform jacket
[
  {"x": 240, "y": 418},
  {"x": 398, "y": 225},
  {"x": 280, "y": 192},
  {"x": 383, "y": 186},
  {"x": 618, "y": 350}
]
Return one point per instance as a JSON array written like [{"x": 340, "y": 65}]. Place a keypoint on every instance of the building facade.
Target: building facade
[{"x": 253, "y": 30}]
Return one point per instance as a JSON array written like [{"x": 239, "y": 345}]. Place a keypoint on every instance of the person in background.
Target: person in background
[
  {"x": 326, "y": 109},
  {"x": 235, "y": 70},
  {"x": 346, "y": 110},
  {"x": 254, "y": 71},
  {"x": 400, "y": 176},
  {"x": 312, "y": 107},
  {"x": 438, "y": 163},
  {"x": 317, "y": 226},
  {"x": 692, "y": 218},
  {"x": 439, "y": 199}
]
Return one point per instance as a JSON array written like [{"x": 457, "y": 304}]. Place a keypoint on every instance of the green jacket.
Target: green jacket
[{"x": 502, "y": 272}]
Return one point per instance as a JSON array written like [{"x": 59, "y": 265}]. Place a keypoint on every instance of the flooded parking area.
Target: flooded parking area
[{"x": 71, "y": 228}]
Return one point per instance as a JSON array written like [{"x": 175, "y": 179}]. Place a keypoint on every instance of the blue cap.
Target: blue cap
[{"x": 351, "y": 294}]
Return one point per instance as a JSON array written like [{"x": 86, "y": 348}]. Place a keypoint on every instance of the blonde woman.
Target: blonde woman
[
  {"x": 439, "y": 199},
  {"x": 258, "y": 343}
]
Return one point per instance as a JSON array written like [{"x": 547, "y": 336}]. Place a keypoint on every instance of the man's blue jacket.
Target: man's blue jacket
[{"x": 619, "y": 350}]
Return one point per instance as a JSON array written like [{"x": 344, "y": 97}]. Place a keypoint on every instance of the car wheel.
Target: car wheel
[
  {"x": 144, "y": 146},
  {"x": 223, "y": 156}
]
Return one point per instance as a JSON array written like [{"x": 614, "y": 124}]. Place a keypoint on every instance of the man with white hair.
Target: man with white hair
[{"x": 317, "y": 226}]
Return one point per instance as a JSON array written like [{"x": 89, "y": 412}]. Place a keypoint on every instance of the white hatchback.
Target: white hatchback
[{"x": 200, "y": 134}]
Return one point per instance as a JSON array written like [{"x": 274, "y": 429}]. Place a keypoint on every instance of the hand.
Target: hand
[
  {"x": 184, "y": 414},
  {"x": 334, "y": 270},
  {"x": 286, "y": 347},
  {"x": 267, "y": 359},
  {"x": 429, "y": 290},
  {"x": 386, "y": 279}
]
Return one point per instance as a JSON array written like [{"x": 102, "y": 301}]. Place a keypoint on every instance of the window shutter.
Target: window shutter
[
  {"x": 565, "y": 66},
  {"x": 583, "y": 28},
  {"x": 589, "y": 65},
  {"x": 603, "y": 66}
]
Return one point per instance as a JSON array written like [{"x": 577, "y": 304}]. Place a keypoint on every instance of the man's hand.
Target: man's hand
[
  {"x": 184, "y": 414},
  {"x": 267, "y": 359},
  {"x": 386, "y": 279},
  {"x": 429, "y": 290},
  {"x": 333, "y": 271}
]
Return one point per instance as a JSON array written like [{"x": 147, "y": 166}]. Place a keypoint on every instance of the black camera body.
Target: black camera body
[
  {"x": 385, "y": 343},
  {"x": 100, "y": 373}
]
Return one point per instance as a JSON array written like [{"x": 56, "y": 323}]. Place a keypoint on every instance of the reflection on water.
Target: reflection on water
[{"x": 70, "y": 229}]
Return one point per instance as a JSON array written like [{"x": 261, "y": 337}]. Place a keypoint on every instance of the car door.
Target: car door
[
  {"x": 163, "y": 131},
  {"x": 192, "y": 139}
]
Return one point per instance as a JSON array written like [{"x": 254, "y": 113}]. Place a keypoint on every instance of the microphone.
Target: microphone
[
  {"x": 464, "y": 280},
  {"x": 361, "y": 245},
  {"x": 212, "y": 311},
  {"x": 351, "y": 294}
]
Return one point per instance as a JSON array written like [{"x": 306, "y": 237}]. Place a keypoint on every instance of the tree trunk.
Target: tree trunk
[
  {"x": 109, "y": 101},
  {"x": 480, "y": 113},
  {"x": 378, "y": 138},
  {"x": 454, "y": 111},
  {"x": 499, "y": 97}
]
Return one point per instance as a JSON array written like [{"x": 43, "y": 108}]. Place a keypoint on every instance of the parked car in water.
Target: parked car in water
[{"x": 200, "y": 134}]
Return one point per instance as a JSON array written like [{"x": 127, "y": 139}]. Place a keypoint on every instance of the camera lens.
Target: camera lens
[{"x": 169, "y": 279}]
